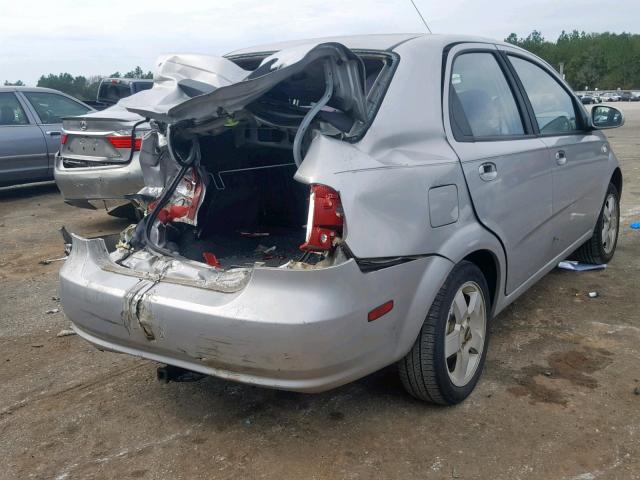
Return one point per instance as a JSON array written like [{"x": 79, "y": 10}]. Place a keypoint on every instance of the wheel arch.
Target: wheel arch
[
  {"x": 616, "y": 179},
  {"x": 488, "y": 264}
]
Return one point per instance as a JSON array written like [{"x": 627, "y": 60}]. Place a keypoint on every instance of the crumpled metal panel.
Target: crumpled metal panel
[
  {"x": 234, "y": 88},
  {"x": 170, "y": 70}
]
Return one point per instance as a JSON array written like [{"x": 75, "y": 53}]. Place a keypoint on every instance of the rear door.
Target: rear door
[
  {"x": 50, "y": 108},
  {"x": 507, "y": 168},
  {"x": 23, "y": 152},
  {"x": 579, "y": 155}
]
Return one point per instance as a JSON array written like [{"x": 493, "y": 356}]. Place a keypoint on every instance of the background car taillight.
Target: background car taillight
[
  {"x": 325, "y": 220},
  {"x": 124, "y": 141}
]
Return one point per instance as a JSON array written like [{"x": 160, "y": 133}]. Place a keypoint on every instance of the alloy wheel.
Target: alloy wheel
[
  {"x": 610, "y": 223},
  {"x": 465, "y": 333}
]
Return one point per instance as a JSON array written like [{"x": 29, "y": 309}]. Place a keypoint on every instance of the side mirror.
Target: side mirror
[{"x": 604, "y": 116}]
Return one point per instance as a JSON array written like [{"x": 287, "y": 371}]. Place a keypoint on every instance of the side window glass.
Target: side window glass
[
  {"x": 481, "y": 91},
  {"x": 552, "y": 105},
  {"x": 52, "y": 108},
  {"x": 11, "y": 112}
]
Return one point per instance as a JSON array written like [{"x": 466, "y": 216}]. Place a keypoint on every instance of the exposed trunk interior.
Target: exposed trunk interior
[
  {"x": 254, "y": 212},
  {"x": 252, "y": 203}
]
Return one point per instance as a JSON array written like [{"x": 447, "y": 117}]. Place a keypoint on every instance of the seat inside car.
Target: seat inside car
[
  {"x": 479, "y": 108},
  {"x": 7, "y": 115}
]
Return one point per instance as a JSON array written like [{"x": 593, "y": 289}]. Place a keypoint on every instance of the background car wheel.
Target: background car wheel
[
  {"x": 127, "y": 211},
  {"x": 447, "y": 358},
  {"x": 602, "y": 245}
]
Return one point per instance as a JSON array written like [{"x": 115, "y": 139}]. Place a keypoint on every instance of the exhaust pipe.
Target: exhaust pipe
[{"x": 170, "y": 373}]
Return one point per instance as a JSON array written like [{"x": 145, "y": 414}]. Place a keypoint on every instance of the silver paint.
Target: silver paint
[{"x": 306, "y": 329}]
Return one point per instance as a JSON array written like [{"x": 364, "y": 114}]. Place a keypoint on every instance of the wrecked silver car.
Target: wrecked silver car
[{"x": 321, "y": 209}]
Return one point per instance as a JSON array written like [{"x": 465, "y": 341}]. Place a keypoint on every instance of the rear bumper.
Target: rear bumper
[
  {"x": 92, "y": 184},
  {"x": 300, "y": 330}
]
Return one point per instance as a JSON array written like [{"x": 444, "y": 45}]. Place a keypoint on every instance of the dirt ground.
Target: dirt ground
[{"x": 556, "y": 400}]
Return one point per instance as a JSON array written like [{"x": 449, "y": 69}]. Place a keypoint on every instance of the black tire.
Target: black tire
[
  {"x": 127, "y": 211},
  {"x": 424, "y": 371},
  {"x": 594, "y": 251}
]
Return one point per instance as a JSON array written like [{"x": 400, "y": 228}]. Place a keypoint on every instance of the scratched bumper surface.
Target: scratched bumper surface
[
  {"x": 99, "y": 182},
  {"x": 301, "y": 330}
]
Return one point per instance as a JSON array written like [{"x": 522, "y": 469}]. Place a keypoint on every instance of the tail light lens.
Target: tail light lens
[
  {"x": 325, "y": 220},
  {"x": 124, "y": 141},
  {"x": 63, "y": 138}
]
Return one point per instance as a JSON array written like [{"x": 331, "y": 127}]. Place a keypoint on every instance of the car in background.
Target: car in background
[
  {"x": 610, "y": 97},
  {"x": 30, "y": 131},
  {"x": 630, "y": 97},
  {"x": 111, "y": 90},
  {"x": 97, "y": 165},
  {"x": 587, "y": 99},
  {"x": 596, "y": 97}
]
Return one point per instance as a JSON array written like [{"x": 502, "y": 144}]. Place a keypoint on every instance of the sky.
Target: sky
[{"x": 98, "y": 38}]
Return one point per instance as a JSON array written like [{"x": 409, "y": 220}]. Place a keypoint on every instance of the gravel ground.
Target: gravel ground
[{"x": 556, "y": 400}]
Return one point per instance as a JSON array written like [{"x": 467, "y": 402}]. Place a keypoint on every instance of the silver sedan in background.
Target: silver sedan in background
[{"x": 98, "y": 164}]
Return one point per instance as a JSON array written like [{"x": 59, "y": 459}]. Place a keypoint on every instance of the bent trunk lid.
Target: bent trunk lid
[{"x": 200, "y": 88}]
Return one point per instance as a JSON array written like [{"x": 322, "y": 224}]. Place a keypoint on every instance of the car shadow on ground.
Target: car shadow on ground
[
  {"x": 222, "y": 404},
  {"x": 27, "y": 191}
]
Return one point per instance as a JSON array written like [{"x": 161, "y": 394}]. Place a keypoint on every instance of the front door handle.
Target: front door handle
[
  {"x": 488, "y": 171},
  {"x": 561, "y": 157},
  {"x": 53, "y": 133}
]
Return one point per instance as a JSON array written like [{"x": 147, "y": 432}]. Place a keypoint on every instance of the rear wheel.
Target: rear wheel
[
  {"x": 447, "y": 358},
  {"x": 127, "y": 211},
  {"x": 602, "y": 245}
]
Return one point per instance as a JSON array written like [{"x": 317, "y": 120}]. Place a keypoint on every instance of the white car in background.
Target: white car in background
[{"x": 610, "y": 97}]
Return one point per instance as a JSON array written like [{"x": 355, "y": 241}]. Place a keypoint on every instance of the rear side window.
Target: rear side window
[
  {"x": 112, "y": 91},
  {"x": 482, "y": 103},
  {"x": 52, "y": 108},
  {"x": 140, "y": 86},
  {"x": 552, "y": 105},
  {"x": 11, "y": 112}
]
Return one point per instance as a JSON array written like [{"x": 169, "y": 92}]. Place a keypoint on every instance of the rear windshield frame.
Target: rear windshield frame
[{"x": 250, "y": 61}]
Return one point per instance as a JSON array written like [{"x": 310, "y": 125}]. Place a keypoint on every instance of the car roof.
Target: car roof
[
  {"x": 40, "y": 90},
  {"x": 127, "y": 79},
  {"x": 384, "y": 41},
  {"x": 13, "y": 88}
]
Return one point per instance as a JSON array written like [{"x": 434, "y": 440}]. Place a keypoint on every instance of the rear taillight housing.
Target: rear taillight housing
[
  {"x": 63, "y": 138},
  {"x": 124, "y": 141},
  {"x": 325, "y": 220}
]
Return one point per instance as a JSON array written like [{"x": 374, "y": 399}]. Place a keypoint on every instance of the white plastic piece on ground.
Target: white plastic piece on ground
[
  {"x": 580, "y": 267},
  {"x": 65, "y": 333}
]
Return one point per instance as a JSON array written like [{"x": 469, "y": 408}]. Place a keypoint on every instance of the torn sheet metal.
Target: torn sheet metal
[{"x": 199, "y": 88}]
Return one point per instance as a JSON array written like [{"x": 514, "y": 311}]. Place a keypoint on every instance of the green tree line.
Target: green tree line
[
  {"x": 81, "y": 87},
  {"x": 606, "y": 61}
]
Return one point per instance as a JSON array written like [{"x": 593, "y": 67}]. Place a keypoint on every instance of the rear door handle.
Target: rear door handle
[
  {"x": 53, "y": 133},
  {"x": 488, "y": 171},
  {"x": 561, "y": 157}
]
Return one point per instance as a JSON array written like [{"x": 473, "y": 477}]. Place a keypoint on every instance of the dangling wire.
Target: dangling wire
[
  {"x": 192, "y": 160},
  {"x": 421, "y": 17}
]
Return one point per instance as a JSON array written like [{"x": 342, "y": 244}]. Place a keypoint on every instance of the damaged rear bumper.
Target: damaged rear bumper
[
  {"x": 89, "y": 185},
  {"x": 299, "y": 330}
]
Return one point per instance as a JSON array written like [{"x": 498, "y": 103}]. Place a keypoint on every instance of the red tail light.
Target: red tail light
[
  {"x": 124, "y": 141},
  {"x": 63, "y": 138},
  {"x": 325, "y": 220}
]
